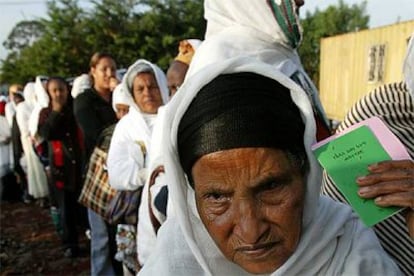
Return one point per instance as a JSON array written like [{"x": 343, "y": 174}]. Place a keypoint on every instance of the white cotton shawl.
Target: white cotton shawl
[
  {"x": 126, "y": 161},
  {"x": 10, "y": 110},
  {"x": 333, "y": 240},
  {"x": 120, "y": 96},
  {"x": 42, "y": 101},
  {"x": 36, "y": 177},
  {"x": 29, "y": 95},
  {"x": 80, "y": 84},
  {"x": 5, "y": 148},
  {"x": 248, "y": 28}
]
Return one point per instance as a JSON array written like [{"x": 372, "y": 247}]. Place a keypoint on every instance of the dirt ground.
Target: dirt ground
[{"x": 29, "y": 244}]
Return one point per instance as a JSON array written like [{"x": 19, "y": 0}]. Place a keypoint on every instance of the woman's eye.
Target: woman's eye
[
  {"x": 271, "y": 186},
  {"x": 216, "y": 197}
]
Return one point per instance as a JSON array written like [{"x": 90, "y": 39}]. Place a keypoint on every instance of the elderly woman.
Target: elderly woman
[
  {"x": 127, "y": 161},
  {"x": 244, "y": 183},
  {"x": 147, "y": 87}
]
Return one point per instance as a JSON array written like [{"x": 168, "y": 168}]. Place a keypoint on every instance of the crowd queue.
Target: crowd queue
[{"x": 207, "y": 169}]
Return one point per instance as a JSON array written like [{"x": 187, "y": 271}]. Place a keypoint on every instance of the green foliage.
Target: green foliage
[
  {"x": 63, "y": 43},
  {"x": 334, "y": 20}
]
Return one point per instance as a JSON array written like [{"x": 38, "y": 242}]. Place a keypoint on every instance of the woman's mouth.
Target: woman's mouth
[{"x": 257, "y": 250}]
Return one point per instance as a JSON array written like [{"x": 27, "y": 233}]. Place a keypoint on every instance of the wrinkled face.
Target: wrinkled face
[
  {"x": 121, "y": 110},
  {"x": 102, "y": 73},
  {"x": 58, "y": 91},
  {"x": 175, "y": 76},
  {"x": 146, "y": 93},
  {"x": 251, "y": 201}
]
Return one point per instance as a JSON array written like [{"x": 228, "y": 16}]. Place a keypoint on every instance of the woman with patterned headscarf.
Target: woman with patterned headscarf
[{"x": 243, "y": 180}]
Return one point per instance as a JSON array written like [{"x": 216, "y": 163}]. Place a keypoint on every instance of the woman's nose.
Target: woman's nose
[
  {"x": 110, "y": 72},
  {"x": 249, "y": 225},
  {"x": 146, "y": 91}
]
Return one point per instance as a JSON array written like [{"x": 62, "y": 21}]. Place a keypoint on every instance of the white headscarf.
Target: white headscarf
[
  {"x": 29, "y": 95},
  {"x": 249, "y": 28},
  {"x": 80, "y": 84},
  {"x": 120, "y": 96},
  {"x": 42, "y": 101},
  {"x": 408, "y": 67},
  {"x": 333, "y": 240}
]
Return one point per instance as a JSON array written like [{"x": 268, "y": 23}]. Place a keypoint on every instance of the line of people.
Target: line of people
[
  {"x": 220, "y": 148},
  {"x": 63, "y": 124}
]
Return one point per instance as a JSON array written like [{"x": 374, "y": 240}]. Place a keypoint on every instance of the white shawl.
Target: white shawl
[
  {"x": 42, "y": 101},
  {"x": 5, "y": 147},
  {"x": 126, "y": 160},
  {"x": 36, "y": 177},
  {"x": 333, "y": 241},
  {"x": 80, "y": 84},
  {"x": 120, "y": 96},
  {"x": 248, "y": 28},
  {"x": 29, "y": 95}
]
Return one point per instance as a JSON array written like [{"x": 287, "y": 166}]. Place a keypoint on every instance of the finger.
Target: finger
[
  {"x": 385, "y": 188},
  {"x": 396, "y": 199},
  {"x": 390, "y": 165},
  {"x": 394, "y": 174}
]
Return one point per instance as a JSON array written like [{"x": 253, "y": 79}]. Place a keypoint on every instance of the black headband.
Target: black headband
[{"x": 236, "y": 111}]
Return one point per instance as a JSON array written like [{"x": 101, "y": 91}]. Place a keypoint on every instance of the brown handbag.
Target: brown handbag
[{"x": 96, "y": 192}]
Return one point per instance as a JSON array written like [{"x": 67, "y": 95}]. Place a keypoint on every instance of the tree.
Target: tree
[
  {"x": 332, "y": 21},
  {"x": 164, "y": 24},
  {"x": 128, "y": 29},
  {"x": 24, "y": 34}
]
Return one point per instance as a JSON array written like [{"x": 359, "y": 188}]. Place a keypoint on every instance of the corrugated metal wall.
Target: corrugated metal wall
[{"x": 345, "y": 64}]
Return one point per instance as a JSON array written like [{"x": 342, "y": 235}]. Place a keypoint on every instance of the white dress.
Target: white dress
[
  {"x": 36, "y": 176},
  {"x": 5, "y": 147}
]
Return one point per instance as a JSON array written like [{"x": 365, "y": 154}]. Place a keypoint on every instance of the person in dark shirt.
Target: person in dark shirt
[
  {"x": 93, "y": 112},
  {"x": 57, "y": 125}
]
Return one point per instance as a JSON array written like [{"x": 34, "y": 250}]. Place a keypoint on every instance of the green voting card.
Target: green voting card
[{"x": 347, "y": 157}]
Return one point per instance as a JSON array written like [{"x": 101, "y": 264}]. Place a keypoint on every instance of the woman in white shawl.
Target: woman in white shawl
[
  {"x": 42, "y": 101},
  {"x": 331, "y": 240},
  {"x": 5, "y": 143},
  {"x": 153, "y": 209},
  {"x": 36, "y": 176},
  {"x": 131, "y": 139},
  {"x": 127, "y": 157}
]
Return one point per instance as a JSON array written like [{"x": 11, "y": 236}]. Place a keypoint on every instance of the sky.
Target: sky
[{"x": 382, "y": 12}]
